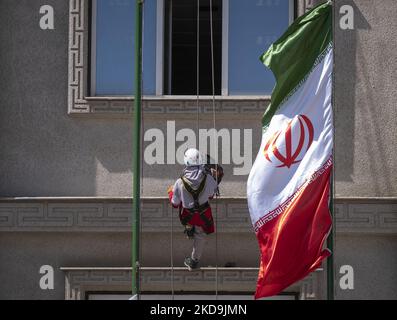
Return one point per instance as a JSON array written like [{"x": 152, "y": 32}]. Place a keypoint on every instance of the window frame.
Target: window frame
[
  {"x": 160, "y": 35},
  {"x": 81, "y": 103},
  {"x": 93, "y": 34}
]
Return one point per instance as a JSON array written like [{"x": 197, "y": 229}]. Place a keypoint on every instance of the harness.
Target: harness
[{"x": 197, "y": 207}]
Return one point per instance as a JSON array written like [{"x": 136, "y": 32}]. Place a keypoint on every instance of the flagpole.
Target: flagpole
[
  {"x": 330, "y": 239},
  {"x": 136, "y": 151},
  {"x": 330, "y": 245}
]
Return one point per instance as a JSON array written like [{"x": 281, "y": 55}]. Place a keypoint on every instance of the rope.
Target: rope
[
  {"x": 169, "y": 92},
  {"x": 216, "y": 148},
  {"x": 169, "y": 85},
  {"x": 172, "y": 255},
  {"x": 142, "y": 142},
  {"x": 213, "y": 115},
  {"x": 172, "y": 209},
  {"x": 198, "y": 130},
  {"x": 198, "y": 72}
]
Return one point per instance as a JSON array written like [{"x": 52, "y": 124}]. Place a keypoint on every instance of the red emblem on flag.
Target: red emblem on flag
[{"x": 293, "y": 145}]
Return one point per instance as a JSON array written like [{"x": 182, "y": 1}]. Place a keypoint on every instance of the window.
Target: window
[{"x": 242, "y": 31}]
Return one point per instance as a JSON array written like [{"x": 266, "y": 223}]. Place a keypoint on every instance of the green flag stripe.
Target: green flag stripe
[{"x": 296, "y": 53}]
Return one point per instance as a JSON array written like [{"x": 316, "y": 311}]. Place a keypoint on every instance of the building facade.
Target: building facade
[{"x": 66, "y": 147}]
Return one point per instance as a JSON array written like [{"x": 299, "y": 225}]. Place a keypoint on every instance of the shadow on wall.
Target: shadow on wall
[
  {"x": 345, "y": 44},
  {"x": 375, "y": 105}
]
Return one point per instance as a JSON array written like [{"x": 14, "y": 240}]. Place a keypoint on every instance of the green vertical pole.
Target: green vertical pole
[
  {"x": 330, "y": 240},
  {"x": 136, "y": 150},
  {"x": 330, "y": 245}
]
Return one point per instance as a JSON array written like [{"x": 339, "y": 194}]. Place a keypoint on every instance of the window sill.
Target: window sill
[
  {"x": 181, "y": 97},
  {"x": 174, "y": 106}
]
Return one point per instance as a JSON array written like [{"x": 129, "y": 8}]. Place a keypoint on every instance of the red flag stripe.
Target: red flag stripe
[{"x": 284, "y": 260}]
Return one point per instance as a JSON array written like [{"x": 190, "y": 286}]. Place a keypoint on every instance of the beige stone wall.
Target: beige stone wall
[
  {"x": 93, "y": 233},
  {"x": 91, "y": 153},
  {"x": 46, "y": 152},
  {"x": 365, "y": 102}
]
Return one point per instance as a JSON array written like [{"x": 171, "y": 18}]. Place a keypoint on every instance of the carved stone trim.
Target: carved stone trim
[
  {"x": 78, "y": 56},
  {"x": 109, "y": 215},
  {"x": 367, "y": 216},
  {"x": 251, "y": 107},
  {"x": 80, "y": 281}
]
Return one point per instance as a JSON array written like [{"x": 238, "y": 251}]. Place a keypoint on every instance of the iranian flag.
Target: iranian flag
[{"x": 289, "y": 184}]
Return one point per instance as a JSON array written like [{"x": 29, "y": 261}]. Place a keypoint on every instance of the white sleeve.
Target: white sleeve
[{"x": 176, "y": 194}]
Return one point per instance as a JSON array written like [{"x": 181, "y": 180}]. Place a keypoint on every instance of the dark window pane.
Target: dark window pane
[
  {"x": 114, "y": 65},
  {"x": 180, "y": 72}
]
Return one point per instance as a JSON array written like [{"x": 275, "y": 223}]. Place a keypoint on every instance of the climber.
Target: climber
[{"x": 190, "y": 193}]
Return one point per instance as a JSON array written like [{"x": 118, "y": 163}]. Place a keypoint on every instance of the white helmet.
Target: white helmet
[{"x": 192, "y": 157}]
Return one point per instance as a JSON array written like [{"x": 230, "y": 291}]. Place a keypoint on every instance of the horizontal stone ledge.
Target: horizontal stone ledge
[
  {"x": 80, "y": 280},
  {"x": 203, "y": 269},
  {"x": 130, "y": 199},
  {"x": 182, "y": 98},
  {"x": 176, "y": 106},
  {"x": 114, "y": 214}
]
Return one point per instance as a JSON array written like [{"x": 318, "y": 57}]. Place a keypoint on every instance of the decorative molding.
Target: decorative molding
[
  {"x": 225, "y": 107},
  {"x": 310, "y": 287},
  {"x": 80, "y": 281},
  {"x": 78, "y": 56},
  {"x": 367, "y": 216},
  {"x": 109, "y": 215}
]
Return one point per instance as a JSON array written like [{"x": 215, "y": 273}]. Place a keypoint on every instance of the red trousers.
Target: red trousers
[{"x": 205, "y": 220}]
